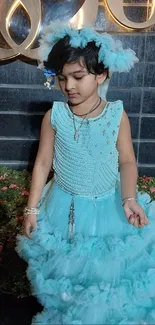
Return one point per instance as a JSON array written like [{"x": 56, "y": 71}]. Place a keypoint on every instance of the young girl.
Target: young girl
[{"x": 89, "y": 246}]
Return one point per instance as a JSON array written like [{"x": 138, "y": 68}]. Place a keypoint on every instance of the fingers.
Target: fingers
[
  {"x": 129, "y": 214},
  {"x": 134, "y": 220},
  {"x": 138, "y": 220},
  {"x": 142, "y": 218},
  {"x": 131, "y": 219},
  {"x": 27, "y": 229},
  {"x": 135, "y": 215}
]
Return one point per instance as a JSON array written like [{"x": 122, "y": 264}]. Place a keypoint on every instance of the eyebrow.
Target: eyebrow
[{"x": 78, "y": 71}]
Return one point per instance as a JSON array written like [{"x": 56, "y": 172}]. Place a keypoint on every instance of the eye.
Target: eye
[{"x": 79, "y": 77}]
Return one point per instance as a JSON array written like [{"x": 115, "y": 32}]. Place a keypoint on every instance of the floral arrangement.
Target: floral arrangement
[{"x": 14, "y": 192}]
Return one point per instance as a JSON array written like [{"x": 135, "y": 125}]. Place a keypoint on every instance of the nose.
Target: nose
[{"x": 70, "y": 84}]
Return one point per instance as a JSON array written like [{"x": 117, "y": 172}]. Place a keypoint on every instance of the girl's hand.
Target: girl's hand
[
  {"x": 29, "y": 224},
  {"x": 135, "y": 214}
]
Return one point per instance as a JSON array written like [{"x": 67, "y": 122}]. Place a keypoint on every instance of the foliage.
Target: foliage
[{"x": 14, "y": 191}]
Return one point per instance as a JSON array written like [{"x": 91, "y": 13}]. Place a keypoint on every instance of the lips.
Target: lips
[{"x": 72, "y": 95}]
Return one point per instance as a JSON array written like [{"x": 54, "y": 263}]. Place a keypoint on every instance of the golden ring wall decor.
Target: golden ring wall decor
[
  {"x": 33, "y": 9},
  {"x": 116, "y": 10},
  {"x": 86, "y": 15}
]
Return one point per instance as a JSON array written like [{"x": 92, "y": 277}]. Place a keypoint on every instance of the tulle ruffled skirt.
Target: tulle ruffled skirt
[{"x": 105, "y": 275}]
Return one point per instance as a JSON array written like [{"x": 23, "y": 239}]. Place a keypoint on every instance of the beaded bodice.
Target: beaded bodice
[{"x": 87, "y": 166}]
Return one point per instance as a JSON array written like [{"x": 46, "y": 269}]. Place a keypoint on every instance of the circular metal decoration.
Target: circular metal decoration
[
  {"x": 117, "y": 12},
  {"x": 21, "y": 22}
]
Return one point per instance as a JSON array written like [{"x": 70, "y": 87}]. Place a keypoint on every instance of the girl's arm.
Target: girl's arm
[
  {"x": 128, "y": 174},
  {"x": 43, "y": 161},
  {"x": 127, "y": 161},
  {"x": 41, "y": 170}
]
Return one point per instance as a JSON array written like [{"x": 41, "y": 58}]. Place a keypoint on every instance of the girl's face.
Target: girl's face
[{"x": 77, "y": 83}]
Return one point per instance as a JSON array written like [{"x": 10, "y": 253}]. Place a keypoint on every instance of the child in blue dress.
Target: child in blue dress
[{"x": 89, "y": 235}]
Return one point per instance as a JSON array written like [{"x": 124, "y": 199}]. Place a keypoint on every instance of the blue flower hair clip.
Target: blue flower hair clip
[{"x": 50, "y": 75}]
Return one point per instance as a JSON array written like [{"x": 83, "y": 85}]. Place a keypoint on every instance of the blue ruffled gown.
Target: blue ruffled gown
[{"x": 99, "y": 270}]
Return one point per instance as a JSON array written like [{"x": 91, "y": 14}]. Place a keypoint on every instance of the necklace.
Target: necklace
[
  {"x": 92, "y": 110},
  {"x": 76, "y": 133}
]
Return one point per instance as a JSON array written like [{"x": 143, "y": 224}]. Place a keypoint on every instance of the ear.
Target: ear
[{"x": 101, "y": 78}]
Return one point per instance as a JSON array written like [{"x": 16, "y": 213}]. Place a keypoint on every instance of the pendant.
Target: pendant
[
  {"x": 76, "y": 135},
  {"x": 71, "y": 223}
]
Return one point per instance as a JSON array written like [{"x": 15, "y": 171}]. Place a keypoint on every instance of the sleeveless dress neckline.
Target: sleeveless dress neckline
[
  {"x": 91, "y": 119},
  {"x": 96, "y": 148}
]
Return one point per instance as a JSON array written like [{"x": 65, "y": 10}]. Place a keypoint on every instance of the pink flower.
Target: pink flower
[
  {"x": 13, "y": 186},
  {"x": 152, "y": 189},
  {"x": 147, "y": 179},
  {"x": 4, "y": 188},
  {"x": 25, "y": 193},
  {"x": 143, "y": 186}
]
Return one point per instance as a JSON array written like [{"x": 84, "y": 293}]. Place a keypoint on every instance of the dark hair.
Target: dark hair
[{"x": 63, "y": 53}]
